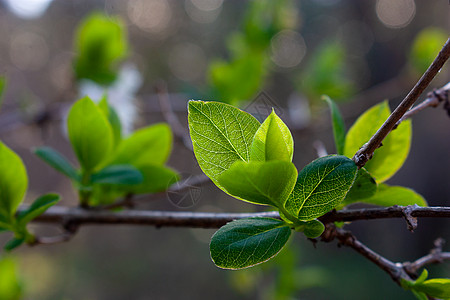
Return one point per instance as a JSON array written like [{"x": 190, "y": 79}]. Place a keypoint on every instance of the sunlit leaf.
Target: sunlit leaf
[
  {"x": 221, "y": 135},
  {"x": 10, "y": 285},
  {"x": 13, "y": 181},
  {"x": 321, "y": 186},
  {"x": 395, "y": 195},
  {"x": 267, "y": 183},
  {"x": 247, "y": 242},
  {"x": 272, "y": 141},
  {"x": 89, "y": 133},
  {"x": 426, "y": 46},
  {"x": 387, "y": 159},
  {"x": 436, "y": 287}
]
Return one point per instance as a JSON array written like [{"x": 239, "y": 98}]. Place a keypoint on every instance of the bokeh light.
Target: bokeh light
[
  {"x": 152, "y": 16},
  {"x": 187, "y": 62},
  {"x": 396, "y": 13},
  {"x": 203, "y": 11},
  {"x": 288, "y": 49},
  {"x": 28, "y": 51},
  {"x": 28, "y": 9}
]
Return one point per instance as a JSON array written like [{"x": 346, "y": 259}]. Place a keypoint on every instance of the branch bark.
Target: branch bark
[{"x": 363, "y": 155}]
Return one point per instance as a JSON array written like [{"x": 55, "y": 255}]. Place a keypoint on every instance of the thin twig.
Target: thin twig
[
  {"x": 433, "y": 99},
  {"x": 365, "y": 153},
  {"x": 166, "y": 109},
  {"x": 346, "y": 238},
  {"x": 435, "y": 256}
]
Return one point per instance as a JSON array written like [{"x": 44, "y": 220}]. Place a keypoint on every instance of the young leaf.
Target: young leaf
[
  {"x": 247, "y": 242},
  {"x": 150, "y": 145},
  {"x": 155, "y": 179},
  {"x": 13, "y": 181},
  {"x": 394, "y": 195},
  {"x": 57, "y": 161},
  {"x": 272, "y": 141},
  {"x": 221, "y": 135},
  {"x": 419, "y": 295},
  {"x": 321, "y": 186},
  {"x": 313, "y": 229},
  {"x": 257, "y": 182},
  {"x": 89, "y": 133},
  {"x": 113, "y": 118},
  {"x": 118, "y": 174},
  {"x": 14, "y": 243},
  {"x": 364, "y": 186},
  {"x": 39, "y": 206},
  {"x": 338, "y": 125},
  {"x": 436, "y": 287},
  {"x": 392, "y": 154}
]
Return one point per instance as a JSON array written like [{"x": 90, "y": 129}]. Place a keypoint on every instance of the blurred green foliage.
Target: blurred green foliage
[
  {"x": 326, "y": 73},
  {"x": 10, "y": 284},
  {"x": 240, "y": 78},
  {"x": 100, "y": 44},
  {"x": 2, "y": 88},
  {"x": 425, "y": 47}
]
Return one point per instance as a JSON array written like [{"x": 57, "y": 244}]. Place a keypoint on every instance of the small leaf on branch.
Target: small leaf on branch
[
  {"x": 246, "y": 242},
  {"x": 321, "y": 186},
  {"x": 387, "y": 159},
  {"x": 272, "y": 141},
  {"x": 118, "y": 175},
  {"x": 156, "y": 179},
  {"x": 436, "y": 287},
  {"x": 221, "y": 135},
  {"x": 90, "y": 133},
  {"x": 338, "y": 125},
  {"x": 13, "y": 181},
  {"x": 268, "y": 183},
  {"x": 113, "y": 118},
  {"x": 311, "y": 229},
  {"x": 39, "y": 206},
  {"x": 364, "y": 186},
  {"x": 387, "y": 195},
  {"x": 13, "y": 243},
  {"x": 57, "y": 161}
]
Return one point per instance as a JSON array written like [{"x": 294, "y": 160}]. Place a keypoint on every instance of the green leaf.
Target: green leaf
[
  {"x": 247, "y": 242},
  {"x": 100, "y": 44},
  {"x": 10, "y": 285},
  {"x": 423, "y": 276},
  {"x": 389, "y": 158},
  {"x": 321, "y": 186},
  {"x": 419, "y": 295},
  {"x": 338, "y": 125},
  {"x": 436, "y": 287},
  {"x": 14, "y": 243},
  {"x": 156, "y": 179},
  {"x": 149, "y": 145},
  {"x": 426, "y": 46},
  {"x": 313, "y": 229},
  {"x": 89, "y": 133},
  {"x": 2, "y": 88},
  {"x": 221, "y": 135},
  {"x": 272, "y": 141},
  {"x": 395, "y": 195},
  {"x": 118, "y": 174},
  {"x": 113, "y": 118},
  {"x": 39, "y": 206},
  {"x": 13, "y": 181},
  {"x": 364, "y": 186},
  {"x": 57, "y": 161},
  {"x": 257, "y": 182}
]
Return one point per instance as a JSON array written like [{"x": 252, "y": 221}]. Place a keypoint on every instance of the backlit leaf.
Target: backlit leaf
[
  {"x": 247, "y": 242},
  {"x": 267, "y": 183},
  {"x": 221, "y": 135},
  {"x": 272, "y": 141},
  {"x": 436, "y": 287},
  {"x": 89, "y": 133},
  {"x": 338, "y": 125},
  {"x": 13, "y": 181},
  {"x": 321, "y": 186},
  {"x": 387, "y": 159},
  {"x": 364, "y": 186},
  {"x": 395, "y": 195}
]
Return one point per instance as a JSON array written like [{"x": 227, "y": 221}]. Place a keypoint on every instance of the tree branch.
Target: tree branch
[{"x": 363, "y": 155}]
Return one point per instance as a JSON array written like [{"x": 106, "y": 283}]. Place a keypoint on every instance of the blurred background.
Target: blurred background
[{"x": 252, "y": 54}]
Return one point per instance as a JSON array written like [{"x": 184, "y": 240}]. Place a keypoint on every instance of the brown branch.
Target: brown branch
[
  {"x": 346, "y": 238},
  {"x": 435, "y": 256},
  {"x": 363, "y": 155},
  {"x": 78, "y": 216}
]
